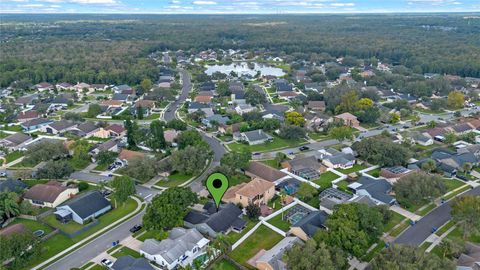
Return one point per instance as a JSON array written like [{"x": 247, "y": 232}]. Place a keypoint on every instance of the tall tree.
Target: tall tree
[
  {"x": 400, "y": 257},
  {"x": 456, "y": 100},
  {"x": 316, "y": 256},
  {"x": 9, "y": 206},
  {"x": 124, "y": 187},
  {"x": 132, "y": 134},
  {"x": 156, "y": 140},
  {"x": 466, "y": 212}
]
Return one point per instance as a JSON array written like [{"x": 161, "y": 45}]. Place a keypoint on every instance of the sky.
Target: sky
[{"x": 236, "y": 6}]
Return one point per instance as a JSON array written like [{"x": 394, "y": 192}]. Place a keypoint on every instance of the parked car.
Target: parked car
[
  {"x": 107, "y": 263},
  {"x": 135, "y": 228},
  {"x": 304, "y": 148}
]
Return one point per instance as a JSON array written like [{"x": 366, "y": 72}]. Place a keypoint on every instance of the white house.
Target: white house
[{"x": 180, "y": 248}]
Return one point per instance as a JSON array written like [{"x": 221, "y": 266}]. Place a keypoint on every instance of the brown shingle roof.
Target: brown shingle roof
[
  {"x": 128, "y": 154},
  {"x": 116, "y": 128},
  {"x": 44, "y": 192},
  {"x": 265, "y": 172},
  {"x": 255, "y": 187},
  {"x": 27, "y": 115}
]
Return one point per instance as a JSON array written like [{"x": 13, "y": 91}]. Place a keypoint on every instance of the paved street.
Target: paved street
[
  {"x": 84, "y": 254},
  {"x": 415, "y": 235},
  {"x": 91, "y": 177},
  {"x": 186, "y": 87}
]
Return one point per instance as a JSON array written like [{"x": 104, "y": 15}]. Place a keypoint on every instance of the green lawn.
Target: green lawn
[
  {"x": 318, "y": 136},
  {"x": 453, "y": 194},
  {"x": 370, "y": 255},
  {"x": 445, "y": 228},
  {"x": 98, "y": 267},
  {"x": 403, "y": 226},
  {"x": 394, "y": 220},
  {"x": 233, "y": 237},
  {"x": 457, "y": 235},
  {"x": 343, "y": 186},
  {"x": 427, "y": 209},
  {"x": 223, "y": 264},
  {"x": 278, "y": 222},
  {"x": 33, "y": 225},
  {"x": 262, "y": 238},
  {"x": 174, "y": 180},
  {"x": 355, "y": 168},
  {"x": 31, "y": 183},
  {"x": 325, "y": 180},
  {"x": 453, "y": 184},
  {"x": 69, "y": 227},
  {"x": 427, "y": 111},
  {"x": 101, "y": 167},
  {"x": 375, "y": 172},
  {"x": 3, "y": 135},
  {"x": 277, "y": 143},
  {"x": 17, "y": 128},
  {"x": 275, "y": 203},
  {"x": 152, "y": 116},
  {"x": 238, "y": 178},
  {"x": 85, "y": 266},
  {"x": 270, "y": 162},
  {"x": 153, "y": 234},
  {"x": 60, "y": 242},
  {"x": 124, "y": 251},
  {"x": 13, "y": 156}
]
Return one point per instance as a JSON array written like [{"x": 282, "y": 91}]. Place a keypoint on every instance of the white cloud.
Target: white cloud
[
  {"x": 342, "y": 4},
  {"x": 31, "y": 6},
  {"x": 94, "y": 2},
  {"x": 202, "y": 2},
  {"x": 174, "y": 2}
]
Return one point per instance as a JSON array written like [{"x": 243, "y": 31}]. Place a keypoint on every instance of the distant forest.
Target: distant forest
[{"x": 113, "y": 48}]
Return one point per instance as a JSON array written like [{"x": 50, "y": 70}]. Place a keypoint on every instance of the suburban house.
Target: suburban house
[
  {"x": 180, "y": 248},
  {"x": 470, "y": 259},
  {"x": 80, "y": 87},
  {"x": 26, "y": 100},
  {"x": 272, "y": 259},
  {"x": 309, "y": 225},
  {"x": 83, "y": 208},
  {"x": 330, "y": 197},
  {"x": 335, "y": 159},
  {"x": 16, "y": 141},
  {"x": 395, "y": 172},
  {"x": 450, "y": 162},
  {"x": 216, "y": 118},
  {"x": 204, "y": 97},
  {"x": 13, "y": 185},
  {"x": 257, "y": 191},
  {"x": 121, "y": 88},
  {"x": 99, "y": 87},
  {"x": 59, "y": 127},
  {"x": 265, "y": 172},
  {"x": 130, "y": 263},
  {"x": 377, "y": 189},
  {"x": 170, "y": 135},
  {"x": 127, "y": 155},
  {"x": 110, "y": 145},
  {"x": 421, "y": 139},
  {"x": 114, "y": 130},
  {"x": 25, "y": 116},
  {"x": 44, "y": 86},
  {"x": 316, "y": 106},
  {"x": 282, "y": 85},
  {"x": 348, "y": 119},
  {"x": 254, "y": 137},
  {"x": 305, "y": 167},
  {"x": 211, "y": 222},
  {"x": 85, "y": 129},
  {"x": 35, "y": 124},
  {"x": 238, "y": 96},
  {"x": 195, "y": 106},
  {"x": 64, "y": 86},
  {"x": 50, "y": 194}
]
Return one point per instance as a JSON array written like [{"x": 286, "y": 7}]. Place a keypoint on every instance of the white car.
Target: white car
[{"x": 107, "y": 263}]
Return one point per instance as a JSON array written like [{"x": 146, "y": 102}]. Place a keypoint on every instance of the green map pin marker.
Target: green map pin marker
[{"x": 217, "y": 184}]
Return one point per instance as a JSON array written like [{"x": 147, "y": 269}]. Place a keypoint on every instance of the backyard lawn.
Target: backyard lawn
[
  {"x": 278, "y": 222},
  {"x": 275, "y": 203},
  {"x": 325, "y": 180},
  {"x": 233, "y": 237},
  {"x": 276, "y": 143},
  {"x": 355, "y": 168},
  {"x": 69, "y": 227},
  {"x": 224, "y": 265},
  {"x": 374, "y": 173},
  {"x": 124, "y": 251},
  {"x": 174, "y": 180},
  {"x": 343, "y": 186},
  {"x": 262, "y": 238}
]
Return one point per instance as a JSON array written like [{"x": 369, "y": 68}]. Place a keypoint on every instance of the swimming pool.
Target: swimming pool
[{"x": 296, "y": 217}]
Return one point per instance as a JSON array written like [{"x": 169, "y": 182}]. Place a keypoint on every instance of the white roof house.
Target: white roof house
[{"x": 180, "y": 248}]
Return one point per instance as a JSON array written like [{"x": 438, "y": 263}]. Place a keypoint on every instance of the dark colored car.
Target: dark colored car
[
  {"x": 135, "y": 228},
  {"x": 304, "y": 148}
]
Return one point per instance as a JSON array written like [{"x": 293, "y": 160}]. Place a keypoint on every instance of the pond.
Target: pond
[{"x": 245, "y": 69}]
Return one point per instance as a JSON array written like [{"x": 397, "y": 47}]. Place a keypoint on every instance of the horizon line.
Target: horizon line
[{"x": 257, "y": 13}]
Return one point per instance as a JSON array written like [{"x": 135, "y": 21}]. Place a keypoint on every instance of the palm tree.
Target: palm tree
[
  {"x": 9, "y": 204},
  {"x": 221, "y": 243}
]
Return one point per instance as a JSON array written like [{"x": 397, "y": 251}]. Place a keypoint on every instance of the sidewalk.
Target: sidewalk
[{"x": 405, "y": 213}]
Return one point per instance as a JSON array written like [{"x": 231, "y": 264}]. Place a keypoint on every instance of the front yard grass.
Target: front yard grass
[
  {"x": 153, "y": 234},
  {"x": 325, "y": 180},
  {"x": 276, "y": 143},
  {"x": 262, "y": 238},
  {"x": 394, "y": 220},
  {"x": 370, "y": 255},
  {"x": 278, "y": 222},
  {"x": 101, "y": 167},
  {"x": 318, "y": 136},
  {"x": 402, "y": 227},
  {"x": 355, "y": 168},
  {"x": 455, "y": 193},
  {"x": 453, "y": 184},
  {"x": 125, "y": 251},
  {"x": 427, "y": 209},
  {"x": 173, "y": 180},
  {"x": 13, "y": 156},
  {"x": 271, "y": 162}
]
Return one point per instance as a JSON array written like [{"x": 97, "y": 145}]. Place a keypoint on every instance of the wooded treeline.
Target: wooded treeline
[{"x": 113, "y": 48}]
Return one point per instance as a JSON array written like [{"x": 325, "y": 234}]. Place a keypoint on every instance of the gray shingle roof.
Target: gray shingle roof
[
  {"x": 256, "y": 135},
  {"x": 377, "y": 188},
  {"x": 88, "y": 204},
  {"x": 130, "y": 263},
  {"x": 312, "y": 222},
  {"x": 17, "y": 138}
]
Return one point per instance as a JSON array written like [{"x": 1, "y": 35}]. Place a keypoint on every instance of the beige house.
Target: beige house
[
  {"x": 348, "y": 119},
  {"x": 257, "y": 191},
  {"x": 50, "y": 194}
]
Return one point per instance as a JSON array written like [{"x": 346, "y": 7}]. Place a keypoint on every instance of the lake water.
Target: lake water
[{"x": 243, "y": 68}]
